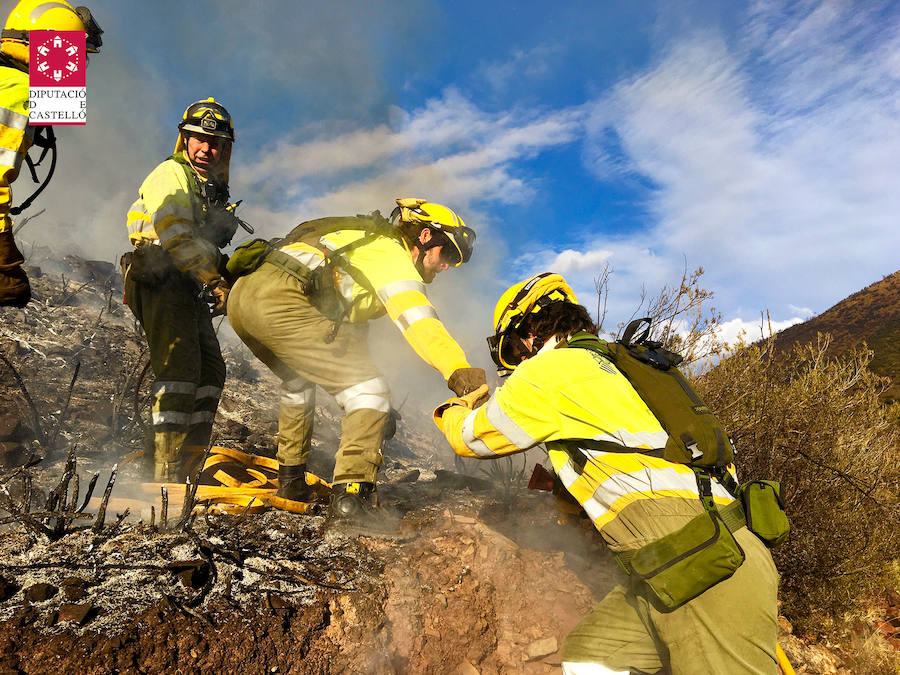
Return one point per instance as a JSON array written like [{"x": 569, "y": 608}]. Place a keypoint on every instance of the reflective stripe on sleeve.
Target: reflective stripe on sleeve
[
  {"x": 502, "y": 423},
  {"x": 472, "y": 442},
  {"x": 12, "y": 119},
  {"x": 10, "y": 158},
  {"x": 396, "y": 287},
  {"x": 414, "y": 314},
  {"x": 168, "y": 234},
  {"x": 374, "y": 394},
  {"x": 174, "y": 210}
]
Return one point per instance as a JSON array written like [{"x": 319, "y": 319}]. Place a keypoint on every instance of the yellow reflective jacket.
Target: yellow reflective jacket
[
  {"x": 15, "y": 134},
  {"x": 399, "y": 291},
  {"x": 560, "y": 396},
  {"x": 169, "y": 212}
]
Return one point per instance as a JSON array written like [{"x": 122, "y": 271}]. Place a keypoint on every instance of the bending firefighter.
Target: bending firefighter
[
  {"x": 701, "y": 591},
  {"x": 303, "y": 312},
  {"x": 16, "y": 136},
  {"x": 177, "y": 225}
]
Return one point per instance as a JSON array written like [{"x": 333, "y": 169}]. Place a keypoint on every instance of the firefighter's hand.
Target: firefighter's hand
[
  {"x": 471, "y": 401},
  {"x": 220, "y": 297},
  {"x": 466, "y": 380}
]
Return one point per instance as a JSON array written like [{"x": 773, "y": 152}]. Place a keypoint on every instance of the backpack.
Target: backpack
[{"x": 696, "y": 437}]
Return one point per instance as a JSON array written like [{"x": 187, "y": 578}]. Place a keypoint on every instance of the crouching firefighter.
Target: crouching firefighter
[
  {"x": 303, "y": 308},
  {"x": 177, "y": 225},
  {"x": 701, "y": 590},
  {"x": 16, "y": 135}
]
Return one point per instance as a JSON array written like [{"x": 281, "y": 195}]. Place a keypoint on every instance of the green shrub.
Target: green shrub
[{"x": 814, "y": 421}]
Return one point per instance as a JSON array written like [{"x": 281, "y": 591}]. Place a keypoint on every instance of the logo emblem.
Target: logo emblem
[{"x": 57, "y": 77}]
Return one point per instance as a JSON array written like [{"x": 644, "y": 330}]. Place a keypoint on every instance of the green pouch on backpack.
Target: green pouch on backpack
[
  {"x": 682, "y": 565},
  {"x": 764, "y": 511},
  {"x": 248, "y": 257}
]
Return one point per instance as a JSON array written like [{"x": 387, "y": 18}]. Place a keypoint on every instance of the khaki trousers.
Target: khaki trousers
[
  {"x": 731, "y": 628},
  {"x": 273, "y": 317}
]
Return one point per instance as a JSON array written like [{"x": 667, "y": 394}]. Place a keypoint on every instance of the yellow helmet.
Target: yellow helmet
[
  {"x": 519, "y": 301},
  {"x": 208, "y": 117},
  {"x": 29, "y": 15},
  {"x": 439, "y": 219}
]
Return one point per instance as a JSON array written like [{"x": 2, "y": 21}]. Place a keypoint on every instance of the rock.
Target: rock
[
  {"x": 79, "y": 613},
  {"x": 410, "y": 476},
  {"x": 7, "y": 589},
  {"x": 40, "y": 592},
  {"x": 541, "y": 648},
  {"x": 466, "y": 668},
  {"x": 75, "y": 588}
]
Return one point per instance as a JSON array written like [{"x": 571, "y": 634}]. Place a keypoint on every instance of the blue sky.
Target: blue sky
[{"x": 759, "y": 140}]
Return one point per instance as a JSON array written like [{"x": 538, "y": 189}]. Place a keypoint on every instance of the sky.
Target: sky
[{"x": 758, "y": 140}]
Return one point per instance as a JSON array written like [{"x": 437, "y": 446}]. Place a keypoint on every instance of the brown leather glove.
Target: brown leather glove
[
  {"x": 465, "y": 380},
  {"x": 15, "y": 291},
  {"x": 220, "y": 295}
]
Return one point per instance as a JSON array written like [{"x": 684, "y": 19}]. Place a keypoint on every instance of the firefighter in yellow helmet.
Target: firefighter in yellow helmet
[
  {"x": 601, "y": 439},
  {"x": 177, "y": 227},
  {"x": 16, "y": 136},
  {"x": 304, "y": 310}
]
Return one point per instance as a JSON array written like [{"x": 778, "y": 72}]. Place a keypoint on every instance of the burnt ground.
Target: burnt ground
[{"x": 478, "y": 578}]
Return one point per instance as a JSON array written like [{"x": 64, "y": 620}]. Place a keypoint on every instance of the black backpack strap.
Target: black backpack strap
[
  {"x": 632, "y": 328},
  {"x": 46, "y": 140}
]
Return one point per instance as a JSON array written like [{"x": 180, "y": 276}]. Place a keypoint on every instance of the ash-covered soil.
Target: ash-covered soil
[{"x": 479, "y": 578}]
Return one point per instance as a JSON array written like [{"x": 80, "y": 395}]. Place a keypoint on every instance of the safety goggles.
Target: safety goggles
[{"x": 93, "y": 41}]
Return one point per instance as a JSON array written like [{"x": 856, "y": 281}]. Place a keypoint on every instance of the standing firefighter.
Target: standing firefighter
[
  {"x": 702, "y": 588},
  {"x": 177, "y": 226},
  {"x": 16, "y": 136},
  {"x": 304, "y": 310}
]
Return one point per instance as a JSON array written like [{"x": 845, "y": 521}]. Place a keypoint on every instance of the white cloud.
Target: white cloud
[
  {"x": 570, "y": 260},
  {"x": 776, "y": 172}
]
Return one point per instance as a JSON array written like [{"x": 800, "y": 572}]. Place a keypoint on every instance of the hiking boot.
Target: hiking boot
[
  {"x": 352, "y": 501},
  {"x": 292, "y": 484},
  {"x": 354, "y": 508}
]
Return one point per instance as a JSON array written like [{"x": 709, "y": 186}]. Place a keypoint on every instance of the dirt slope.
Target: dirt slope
[{"x": 871, "y": 315}]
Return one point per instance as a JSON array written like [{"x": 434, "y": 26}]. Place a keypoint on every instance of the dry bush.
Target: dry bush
[{"x": 814, "y": 421}]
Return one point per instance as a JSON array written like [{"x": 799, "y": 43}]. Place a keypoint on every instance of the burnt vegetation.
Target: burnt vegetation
[{"x": 101, "y": 575}]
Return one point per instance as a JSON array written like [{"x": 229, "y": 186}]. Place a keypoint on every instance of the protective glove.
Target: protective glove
[
  {"x": 220, "y": 297},
  {"x": 471, "y": 401},
  {"x": 465, "y": 380}
]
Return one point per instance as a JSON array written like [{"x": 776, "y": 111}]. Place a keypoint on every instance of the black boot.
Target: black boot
[
  {"x": 352, "y": 501},
  {"x": 292, "y": 484},
  {"x": 354, "y": 507}
]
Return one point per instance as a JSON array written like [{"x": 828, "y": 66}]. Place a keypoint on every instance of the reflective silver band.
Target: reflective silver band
[
  {"x": 374, "y": 394},
  {"x": 160, "y": 388},
  {"x": 395, "y": 287},
  {"x": 472, "y": 442},
  {"x": 12, "y": 119},
  {"x": 171, "y": 417},
  {"x": 502, "y": 423},
  {"x": 208, "y": 392},
  {"x": 415, "y": 314}
]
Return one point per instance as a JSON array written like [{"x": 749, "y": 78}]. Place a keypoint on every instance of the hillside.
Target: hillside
[{"x": 871, "y": 315}]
